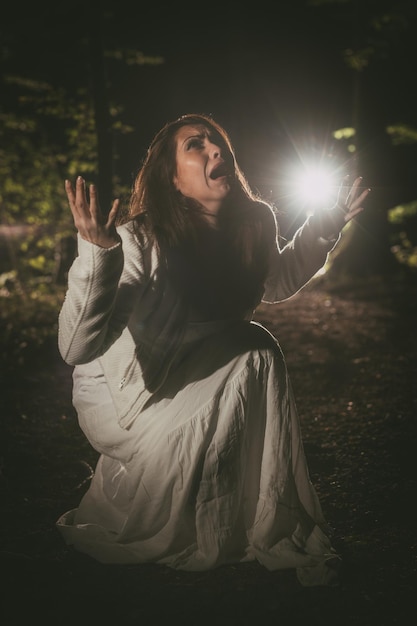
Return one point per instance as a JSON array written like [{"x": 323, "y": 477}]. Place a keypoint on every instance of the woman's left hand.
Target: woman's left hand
[
  {"x": 348, "y": 200},
  {"x": 348, "y": 205}
]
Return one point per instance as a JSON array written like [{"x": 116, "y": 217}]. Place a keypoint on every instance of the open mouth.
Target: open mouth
[{"x": 220, "y": 170}]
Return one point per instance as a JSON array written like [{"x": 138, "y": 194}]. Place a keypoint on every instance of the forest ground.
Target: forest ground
[{"x": 351, "y": 353}]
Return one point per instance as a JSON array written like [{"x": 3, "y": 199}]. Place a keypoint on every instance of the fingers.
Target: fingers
[
  {"x": 74, "y": 201},
  {"x": 71, "y": 198},
  {"x": 347, "y": 192},
  {"x": 349, "y": 203},
  {"x": 113, "y": 213},
  {"x": 81, "y": 204},
  {"x": 69, "y": 191},
  {"x": 94, "y": 204},
  {"x": 88, "y": 211},
  {"x": 348, "y": 196},
  {"x": 353, "y": 203},
  {"x": 77, "y": 198},
  {"x": 353, "y": 213}
]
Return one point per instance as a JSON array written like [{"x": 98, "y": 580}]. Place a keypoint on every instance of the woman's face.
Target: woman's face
[{"x": 204, "y": 167}]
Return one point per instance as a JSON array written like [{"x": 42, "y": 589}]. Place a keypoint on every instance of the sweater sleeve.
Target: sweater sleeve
[
  {"x": 99, "y": 298},
  {"x": 294, "y": 265}
]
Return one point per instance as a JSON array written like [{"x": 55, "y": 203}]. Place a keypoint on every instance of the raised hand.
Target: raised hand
[
  {"x": 348, "y": 200},
  {"x": 88, "y": 218},
  {"x": 349, "y": 204}
]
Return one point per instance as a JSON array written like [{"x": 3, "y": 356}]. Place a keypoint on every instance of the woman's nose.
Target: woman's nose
[{"x": 215, "y": 151}]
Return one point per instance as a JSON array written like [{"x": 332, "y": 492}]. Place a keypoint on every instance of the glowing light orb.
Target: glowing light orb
[{"x": 314, "y": 186}]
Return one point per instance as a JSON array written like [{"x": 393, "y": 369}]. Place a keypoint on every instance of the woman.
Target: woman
[{"x": 185, "y": 398}]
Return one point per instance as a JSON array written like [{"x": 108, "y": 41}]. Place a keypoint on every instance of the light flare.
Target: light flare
[{"x": 314, "y": 186}]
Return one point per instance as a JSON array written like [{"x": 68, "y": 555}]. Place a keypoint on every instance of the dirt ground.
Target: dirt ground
[{"x": 351, "y": 354}]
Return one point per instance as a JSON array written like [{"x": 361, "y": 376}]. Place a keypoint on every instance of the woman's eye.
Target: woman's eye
[{"x": 194, "y": 143}]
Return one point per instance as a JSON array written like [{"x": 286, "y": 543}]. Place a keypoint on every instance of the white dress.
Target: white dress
[{"x": 213, "y": 470}]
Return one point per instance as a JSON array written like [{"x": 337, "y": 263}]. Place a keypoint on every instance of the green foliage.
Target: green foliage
[
  {"x": 45, "y": 137},
  {"x": 346, "y": 136},
  {"x": 402, "y": 212},
  {"x": 378, "y": 29},
  {"x": 404, "y": 251},
  {"x": 402, "y": 134},
  {"x": 359, "y": 59},
  {"x": 31, "y": 171},
  {"x": 134, "y": 57},
  {"x": 404, "y": 219}
]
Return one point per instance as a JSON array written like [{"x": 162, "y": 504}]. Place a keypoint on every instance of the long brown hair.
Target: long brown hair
[{"x": 224, "y": 268}]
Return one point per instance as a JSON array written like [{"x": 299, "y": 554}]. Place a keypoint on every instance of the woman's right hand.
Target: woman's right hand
[{"x": 88, "y": 218}]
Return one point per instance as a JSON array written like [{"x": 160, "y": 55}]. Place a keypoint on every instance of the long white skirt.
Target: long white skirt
[{"x": 211, "y": 472}]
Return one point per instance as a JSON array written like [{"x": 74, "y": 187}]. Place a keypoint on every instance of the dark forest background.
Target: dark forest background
[{"x": 84, "y": 86}]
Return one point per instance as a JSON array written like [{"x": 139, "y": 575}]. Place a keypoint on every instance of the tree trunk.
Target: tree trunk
[
  {"x": 101, "y": 109},
  {"x": 365, "y": 250}
]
